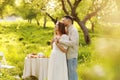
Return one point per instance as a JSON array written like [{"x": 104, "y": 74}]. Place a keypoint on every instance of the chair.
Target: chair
[{"x": 3, "y": 63}]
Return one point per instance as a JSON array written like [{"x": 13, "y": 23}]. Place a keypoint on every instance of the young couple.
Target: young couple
[{"x": 63, "y": 58}]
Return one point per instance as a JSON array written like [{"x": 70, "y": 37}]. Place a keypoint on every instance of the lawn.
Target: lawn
[{"x": 19, "y": 39}]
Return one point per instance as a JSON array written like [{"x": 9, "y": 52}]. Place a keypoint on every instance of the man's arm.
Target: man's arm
[
  {"x": 61, "y": 48},
  {"x": 74, "y": 37}
]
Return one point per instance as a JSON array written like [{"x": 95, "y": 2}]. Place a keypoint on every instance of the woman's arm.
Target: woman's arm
[{"x": 61, "y": 48}]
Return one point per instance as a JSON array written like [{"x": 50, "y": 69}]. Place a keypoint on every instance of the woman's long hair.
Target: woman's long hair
[{"x": 61, "y": 28}]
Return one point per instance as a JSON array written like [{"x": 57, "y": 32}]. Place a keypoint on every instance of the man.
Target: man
[{"x": 73, "y": 44}]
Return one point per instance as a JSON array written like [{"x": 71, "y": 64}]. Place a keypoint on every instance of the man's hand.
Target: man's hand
[{"x": 57, "y": 39}]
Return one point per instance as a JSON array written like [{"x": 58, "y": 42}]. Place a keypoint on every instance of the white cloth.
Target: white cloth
[
  {"x": 36, "y": 67},
  {"x": 57, "y": 69}
]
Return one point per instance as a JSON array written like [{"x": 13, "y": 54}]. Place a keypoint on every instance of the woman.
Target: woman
[{"x": 57, "y": 69}]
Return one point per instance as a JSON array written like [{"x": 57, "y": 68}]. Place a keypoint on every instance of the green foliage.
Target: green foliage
[
  {"x": 3, "y": 4},
  {"x": 31, "y": 9},
  {"x": 16, "y": 41},
  {"x": 83, "y": 8},
  {"x": 84, "y": 54},
  {"x": 104, "y": 55},
  {"x": 27, "y": 12},
  {"x": 5, "y": 76}
]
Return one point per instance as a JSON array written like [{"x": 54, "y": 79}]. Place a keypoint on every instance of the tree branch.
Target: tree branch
[
  {"x": 70, "y": 4},
  {"x": 64, "y": 8},
  {"x": 54, "y": 20},
  {"x": 75, "y": 5},
  {"x": 90, "y": 15}
]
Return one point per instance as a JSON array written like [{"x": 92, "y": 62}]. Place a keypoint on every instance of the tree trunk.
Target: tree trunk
[
  {"x": 92, "y": 27},
  {"x": 37, "y": 21},
  {"x": 29, "y": 20},
  {"x": 2, "y": 16},
  {"x": 44, "y": 25},
  {"x": 85, "y": 30}
]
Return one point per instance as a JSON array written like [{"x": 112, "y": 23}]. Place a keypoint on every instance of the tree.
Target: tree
[
  {"x": 91, "y": 11},
  {"x": 26, "y": 11},
  {"x": 31, "y": 9},
  {"x": 3, "y": 4},
  {"x": 82, "y": 11}
]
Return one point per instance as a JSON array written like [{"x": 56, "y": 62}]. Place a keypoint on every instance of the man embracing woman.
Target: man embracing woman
[{"x": 63, "y": 58}]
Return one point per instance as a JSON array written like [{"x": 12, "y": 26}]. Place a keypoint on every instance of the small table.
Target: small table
[{"x": 37, "y": 67}]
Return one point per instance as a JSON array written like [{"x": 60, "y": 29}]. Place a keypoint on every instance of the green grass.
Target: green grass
[{"x": 18, "y": 40}]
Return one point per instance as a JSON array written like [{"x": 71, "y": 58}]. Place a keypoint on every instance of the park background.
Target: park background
[{"x": 27, "y": 26}]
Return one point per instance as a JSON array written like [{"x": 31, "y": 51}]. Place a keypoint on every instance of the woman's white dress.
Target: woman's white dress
[{"x": 57, "y": 69}]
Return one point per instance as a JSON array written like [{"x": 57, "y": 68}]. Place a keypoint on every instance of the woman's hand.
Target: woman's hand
[{"x": 57, "y": 39}]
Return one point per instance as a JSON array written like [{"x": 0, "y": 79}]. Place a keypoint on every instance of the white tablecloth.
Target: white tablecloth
[{"x": 36, "y": 67}]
